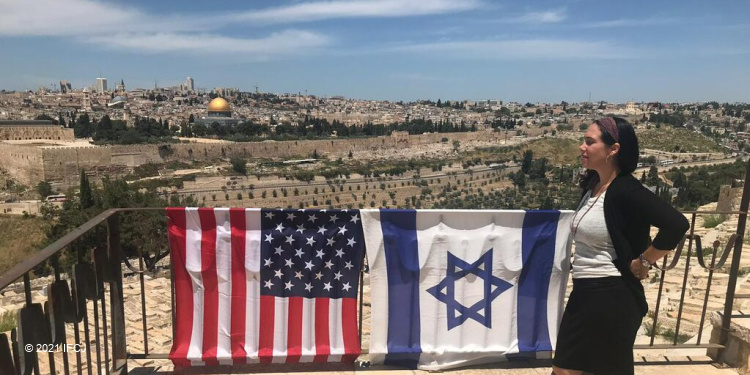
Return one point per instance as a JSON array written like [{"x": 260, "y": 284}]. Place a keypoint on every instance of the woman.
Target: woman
[{"x": 613, "y": 253}]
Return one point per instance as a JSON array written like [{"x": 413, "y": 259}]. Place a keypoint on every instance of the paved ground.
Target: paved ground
[{"x": 661, "y": 366}]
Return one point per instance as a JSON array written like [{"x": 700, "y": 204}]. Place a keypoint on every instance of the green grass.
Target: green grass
[
  {"x": 707, "y": 251},
  {"x": 7, "y": 321},
  {"x": 648, "y": 327},
  {"x": 669, "y": 335},
  {"x": 711, "y": 221}
]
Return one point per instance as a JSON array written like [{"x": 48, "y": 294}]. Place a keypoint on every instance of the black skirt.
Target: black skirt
[{"x": 598, "y": 327}]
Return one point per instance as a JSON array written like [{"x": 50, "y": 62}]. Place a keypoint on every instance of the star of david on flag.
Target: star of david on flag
[
  {"x": 445, "y": 291},
  {"x": 452, "y": 288}
]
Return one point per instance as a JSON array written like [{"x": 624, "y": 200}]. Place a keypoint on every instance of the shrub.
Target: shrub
[
  {"x": 711, "y": 221},
  {"x": 7, "y": 321},
  {"x": 239, "y": 165}
]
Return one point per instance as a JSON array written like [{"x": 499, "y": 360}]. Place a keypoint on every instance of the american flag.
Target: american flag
[{"x": 258, "y": 285}]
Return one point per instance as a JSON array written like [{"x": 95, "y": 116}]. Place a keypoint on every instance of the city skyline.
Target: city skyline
[{"x": 545, "y": 51}]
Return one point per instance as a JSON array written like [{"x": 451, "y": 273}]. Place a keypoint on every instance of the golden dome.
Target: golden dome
[{"x": 218, "y": 105}]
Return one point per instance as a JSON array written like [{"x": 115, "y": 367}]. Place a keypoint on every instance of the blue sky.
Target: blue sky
[{"x": 547, "y": 51}]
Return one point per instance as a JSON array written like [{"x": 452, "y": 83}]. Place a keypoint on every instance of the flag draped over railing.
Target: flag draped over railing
[
  {"x": 256, "y": 285},
  {"x": 448, "y": 287},
  {"x": 452, "y": 288}
]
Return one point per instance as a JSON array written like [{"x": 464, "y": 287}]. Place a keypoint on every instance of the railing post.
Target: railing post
[
  {"x": 726, "y": 319},
  {"x": 117, "y": 317}
]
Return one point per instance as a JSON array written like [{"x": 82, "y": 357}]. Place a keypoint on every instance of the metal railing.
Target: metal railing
[{"x": 94, "y": 290}]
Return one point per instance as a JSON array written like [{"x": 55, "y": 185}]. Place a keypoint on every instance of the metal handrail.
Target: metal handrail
[{"x": 27, "y": 265}]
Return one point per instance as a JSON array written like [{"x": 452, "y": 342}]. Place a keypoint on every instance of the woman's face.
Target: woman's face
[{"x": 593, "y": 151}]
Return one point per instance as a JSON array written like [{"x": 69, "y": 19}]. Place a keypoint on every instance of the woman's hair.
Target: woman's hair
[{"x": 626, "y": 158}]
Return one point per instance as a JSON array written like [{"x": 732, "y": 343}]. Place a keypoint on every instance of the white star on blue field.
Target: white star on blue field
[{"x": 548, "y": 51}]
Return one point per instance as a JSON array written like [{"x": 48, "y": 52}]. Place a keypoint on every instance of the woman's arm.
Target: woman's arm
[{"x": 672, "y": 225}]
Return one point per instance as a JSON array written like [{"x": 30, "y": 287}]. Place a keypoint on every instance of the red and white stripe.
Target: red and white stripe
[{"x": 221, "y": 318}]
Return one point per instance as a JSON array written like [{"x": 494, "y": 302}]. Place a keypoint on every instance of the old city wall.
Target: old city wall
[
  {"x": 62, "y": 165},
  {"x": 24, "y": 163}
]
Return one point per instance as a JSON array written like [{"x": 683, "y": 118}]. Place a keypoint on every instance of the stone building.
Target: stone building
[{"x": 14, "y": 130}]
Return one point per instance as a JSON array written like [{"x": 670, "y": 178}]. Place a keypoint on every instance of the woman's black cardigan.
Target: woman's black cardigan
[{"x": 629, "y": 211}]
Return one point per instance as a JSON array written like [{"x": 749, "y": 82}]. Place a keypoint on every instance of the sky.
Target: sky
[{"x": 525, "y": 51}]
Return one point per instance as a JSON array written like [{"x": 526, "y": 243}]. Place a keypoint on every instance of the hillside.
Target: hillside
[
  {"x": 19, "y": 238},
  {"x": 668, "y": 139},
  {"x": 559, "y": 151}
]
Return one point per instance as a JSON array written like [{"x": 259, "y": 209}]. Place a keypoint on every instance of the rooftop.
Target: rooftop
[{"x": 26, "y": 123}]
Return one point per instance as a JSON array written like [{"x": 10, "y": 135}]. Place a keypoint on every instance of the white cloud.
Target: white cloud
[
  {"x": 533, "y": 18},
  {"x": 283, "y": 43},
  {"x": 550, "y": 16},
  {"x": 128, "y": 28},
  {"x": 77, "y": 17},
  {"x": 322, "y": 10},
  {"x": 630, "y": 22},
  {"x": 523, "y": 49}
]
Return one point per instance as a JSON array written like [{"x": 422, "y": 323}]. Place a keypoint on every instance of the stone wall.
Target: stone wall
[
  {"x": 729, "y": 198},
  {"x": 23, "y": 163},
  {"x": 62, "y": 165}
]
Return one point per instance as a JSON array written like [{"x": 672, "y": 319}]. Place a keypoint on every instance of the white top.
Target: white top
[{"x": 594, "y": 251}]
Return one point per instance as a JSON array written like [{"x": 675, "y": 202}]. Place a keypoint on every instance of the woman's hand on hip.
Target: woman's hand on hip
[{"x": 638, "y": 269}]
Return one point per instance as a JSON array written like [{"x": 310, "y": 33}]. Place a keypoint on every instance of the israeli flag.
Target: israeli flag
[{"x": 457, "y": 287}]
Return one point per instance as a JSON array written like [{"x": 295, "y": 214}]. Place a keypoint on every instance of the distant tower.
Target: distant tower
[
  {"x": 121, "y": 86},
  {"x": 65, "y": 87},
  {"x": 86, "y": 105},
  {"x": 101, "y": 85},
  {"x": 190, "y": 84}
]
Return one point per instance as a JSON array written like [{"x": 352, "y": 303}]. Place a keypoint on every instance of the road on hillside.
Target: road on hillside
[{"x": 702, "y": 163}]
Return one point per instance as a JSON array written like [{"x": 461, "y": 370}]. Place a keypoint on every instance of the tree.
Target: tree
[
  {"x": 87, "y": 196},
  {"x": 519, "y": 179},
  {"x": 104, "y": 129},
  {"x": 528, "y": 157},
  {"x": 82, "y": 127},
  {"x": 547, "y": 203},
  {"x": 239, "y": 165},
  {"x": 653, "y": 176},
  {"x": 44, "y": 189},
  {"x": 679, "y": 180},
  {"x": 46, "y": 118}
]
